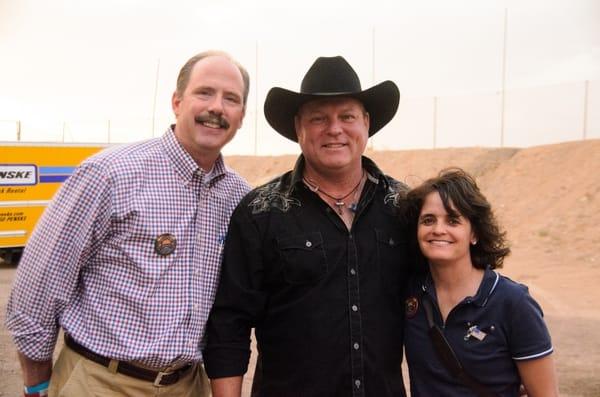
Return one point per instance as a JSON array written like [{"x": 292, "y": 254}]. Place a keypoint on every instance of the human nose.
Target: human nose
[
  {"x": 335, "y": 127},
  {"x": 215, "y": 105},
  {"x": 438, "y": 228}
]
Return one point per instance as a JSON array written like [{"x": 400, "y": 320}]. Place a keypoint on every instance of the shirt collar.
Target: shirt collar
[
  {"x": 485, "y": 290},
  {"x": 184, "y": 164}
]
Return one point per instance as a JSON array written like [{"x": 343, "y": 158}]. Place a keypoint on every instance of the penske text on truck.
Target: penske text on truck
[{"x": 30, "y": 175}]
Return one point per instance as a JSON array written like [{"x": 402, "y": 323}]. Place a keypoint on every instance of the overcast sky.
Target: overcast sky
[{"x": 79, "y": 68}]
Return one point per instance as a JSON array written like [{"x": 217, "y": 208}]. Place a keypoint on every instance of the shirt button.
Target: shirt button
[
  {"x": 356, "y": 346},
  {"x": 357, "y": 383},
  {"x": 308, "y": 244},
  {"x": 199, "y": 237},
  {"x": 352, "y": 272},
  {"x": 195, "y": 306},
  {"x": 190, "y": 343},
  {"x": 354, "y": 308}
]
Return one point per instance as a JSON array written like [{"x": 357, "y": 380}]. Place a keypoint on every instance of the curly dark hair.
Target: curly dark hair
[{"x": 461, "y": 196}]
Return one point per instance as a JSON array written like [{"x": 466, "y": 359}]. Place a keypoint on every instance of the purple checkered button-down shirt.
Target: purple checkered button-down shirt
[{"x": 91, "y": 265}]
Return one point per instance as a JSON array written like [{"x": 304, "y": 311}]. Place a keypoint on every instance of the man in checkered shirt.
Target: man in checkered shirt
[{"x": 126, "y": 258}]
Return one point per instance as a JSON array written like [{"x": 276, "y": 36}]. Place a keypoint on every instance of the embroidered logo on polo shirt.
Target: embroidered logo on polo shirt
[{"x": 411, "y": 306}]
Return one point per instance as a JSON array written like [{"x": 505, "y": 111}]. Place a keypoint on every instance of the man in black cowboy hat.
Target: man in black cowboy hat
[{"x": 314, "y": 259}]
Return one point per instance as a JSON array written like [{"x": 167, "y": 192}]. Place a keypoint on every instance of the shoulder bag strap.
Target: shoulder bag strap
[{"x": 447, "y": 355}]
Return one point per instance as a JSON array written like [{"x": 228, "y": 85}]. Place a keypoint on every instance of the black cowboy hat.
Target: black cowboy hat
[{"x": 331, "y": 77}]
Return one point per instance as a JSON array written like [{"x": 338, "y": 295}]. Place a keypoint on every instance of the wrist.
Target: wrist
[{"x": 39, "y": 390}]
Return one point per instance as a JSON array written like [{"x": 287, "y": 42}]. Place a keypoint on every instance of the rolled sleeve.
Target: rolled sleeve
[
  {"x": 240, "y": 300},
  {"x": 34, "y": 341}
]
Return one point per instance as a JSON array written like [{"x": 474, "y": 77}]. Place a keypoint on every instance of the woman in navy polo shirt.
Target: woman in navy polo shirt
[{"x": 492, "y": 324}]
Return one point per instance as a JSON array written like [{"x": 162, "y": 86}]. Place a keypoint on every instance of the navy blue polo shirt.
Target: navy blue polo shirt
[{"x": 501, "y": 324}]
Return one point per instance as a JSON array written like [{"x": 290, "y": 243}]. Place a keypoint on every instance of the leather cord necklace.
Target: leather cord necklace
[{"x": 338, "y": 201}]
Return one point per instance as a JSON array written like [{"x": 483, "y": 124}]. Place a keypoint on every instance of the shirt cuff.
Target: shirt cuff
[
  {"x": 224, "y": 361},
  {"x": 31, "y": 339}
]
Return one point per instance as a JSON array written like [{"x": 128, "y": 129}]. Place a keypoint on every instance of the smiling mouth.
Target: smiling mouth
[
  {"x": 334, "y": 145},
  {"x": 439, "y": 242},
  {"x": 212, "y": 121}
]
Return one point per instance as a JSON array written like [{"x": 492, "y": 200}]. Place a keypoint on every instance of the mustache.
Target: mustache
[{"x": 212, "y": 118}]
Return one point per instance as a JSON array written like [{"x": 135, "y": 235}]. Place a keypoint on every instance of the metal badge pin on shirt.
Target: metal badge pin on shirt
[
  {"x": 411, "y": 306},
  {"x": 165, "y": 244},
  {"x": 476, "y": 333}
]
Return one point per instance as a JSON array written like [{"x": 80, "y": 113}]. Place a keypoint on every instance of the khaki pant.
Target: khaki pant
[{"x": 75, "y": 376}]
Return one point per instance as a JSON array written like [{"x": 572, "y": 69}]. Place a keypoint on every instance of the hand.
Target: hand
[{"x": 34, "y": 372}]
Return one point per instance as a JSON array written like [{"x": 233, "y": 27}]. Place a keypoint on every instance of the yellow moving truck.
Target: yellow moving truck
[{"x": 30, "y": 174}]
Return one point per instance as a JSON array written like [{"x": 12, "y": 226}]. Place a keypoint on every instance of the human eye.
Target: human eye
[
  {"x": 454, "y": 220},
  {"x": 316, "y": 119},
  {"x": 203, "y": 92},
  {"x": 427, "y": 220},
  {"x": 234, "y": 99},
  {"x": 348, "y": 117}
]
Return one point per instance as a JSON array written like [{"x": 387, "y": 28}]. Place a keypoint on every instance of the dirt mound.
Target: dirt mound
[{"x": 548, "y": 200}]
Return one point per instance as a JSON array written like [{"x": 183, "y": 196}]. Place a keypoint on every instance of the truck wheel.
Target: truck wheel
[{"x": 11, "y": 256}]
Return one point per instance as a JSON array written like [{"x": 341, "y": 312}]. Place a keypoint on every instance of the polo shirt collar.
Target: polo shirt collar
[{"x": 485, "y": 290}]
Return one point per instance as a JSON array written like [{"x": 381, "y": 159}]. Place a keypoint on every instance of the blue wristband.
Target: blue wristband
[{"x": 37, "y": 388}]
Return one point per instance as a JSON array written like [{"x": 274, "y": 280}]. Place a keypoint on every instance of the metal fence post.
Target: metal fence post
[
  {"x": 435, "y": 102},
  {"x": 585, "y": 107}
]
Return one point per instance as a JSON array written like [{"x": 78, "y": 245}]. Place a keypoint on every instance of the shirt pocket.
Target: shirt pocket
[
  {"x": 303, "y": 258},
  {"x": 391, "y": 256}
]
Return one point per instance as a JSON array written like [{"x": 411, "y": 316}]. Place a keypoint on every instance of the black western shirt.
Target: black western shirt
[{"x": 325, "y": 301}]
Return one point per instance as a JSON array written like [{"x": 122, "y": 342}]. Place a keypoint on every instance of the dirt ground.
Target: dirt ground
[{"x": 548, "y": 200}]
